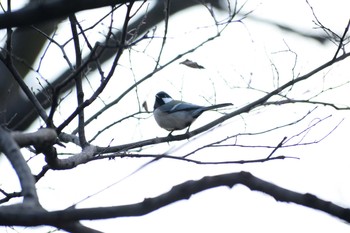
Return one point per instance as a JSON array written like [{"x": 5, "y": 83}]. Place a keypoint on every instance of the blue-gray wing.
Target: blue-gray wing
[{"x": 175, "y": 106}]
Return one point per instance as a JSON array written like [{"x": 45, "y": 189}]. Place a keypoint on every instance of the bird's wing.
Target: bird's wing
[{"x": 175, "y": 106}]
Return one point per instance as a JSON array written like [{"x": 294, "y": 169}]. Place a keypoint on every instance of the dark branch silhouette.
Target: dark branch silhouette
[
  {"x": 179, "y": 192},
  {"x": 30, "y": 28}
]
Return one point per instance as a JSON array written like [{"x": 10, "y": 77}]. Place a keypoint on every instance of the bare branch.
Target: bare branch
[
  {"x": 64, "y": 81},
  {"x": 9, "y": 196},
  {"x": 342, "y": 38},
  {"x": 244, "y": 109},
  {"x": 40, "y": 138},
  {"x": 78, "y": 80},
  {"x": 265, "y": 98},
  {"x": 85, "y": 156},
  {"x": 10, "y": 148},
  {"x": 146, "y": 77},
  {"x": 278, "y": 146},
  {"x": 166, "y": 156},
  {"x": 8, "y": 60},
  {"x": 105, "y": 81},
  {"x": 40, "y": 12},
  {"x": 179, "y": 192}
]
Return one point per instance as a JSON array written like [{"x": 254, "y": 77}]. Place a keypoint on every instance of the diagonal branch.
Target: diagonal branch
[
  {"x": 105, "y": 81},
  {"x": 64, "y": 81},
  {"x": 266, "y": 97},
  {"x": 8, "y": 60},
  {"x": 42, "y": 11}
]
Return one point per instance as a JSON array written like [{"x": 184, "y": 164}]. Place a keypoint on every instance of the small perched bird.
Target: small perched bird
[{"x": 176, "y": 115}]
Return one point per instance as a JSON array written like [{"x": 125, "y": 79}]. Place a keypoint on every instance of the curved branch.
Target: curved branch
[
  {"x": 179, "y": 192},
  {"x": 12, "y": 151}
]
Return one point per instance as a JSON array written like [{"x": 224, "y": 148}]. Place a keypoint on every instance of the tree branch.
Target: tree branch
[
  {"x": 105, "y": 81},
  {"x": 63, "y": 81},
  {"x": 42, "y": 11},
  {"x": 179, "y": 192},
  {"x": 210, "y": 125},
  {"x": 12, "y": 151},
  {"x": 41, "y": 138},
  {"x": 266, "y": 97},
  {"x": 78, "y": 80}
]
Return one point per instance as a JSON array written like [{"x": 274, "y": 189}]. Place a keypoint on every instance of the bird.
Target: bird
[{"x": 174, "y": 115}]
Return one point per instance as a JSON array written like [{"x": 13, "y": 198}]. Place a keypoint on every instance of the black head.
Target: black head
[{"x": 161, "y": 99}]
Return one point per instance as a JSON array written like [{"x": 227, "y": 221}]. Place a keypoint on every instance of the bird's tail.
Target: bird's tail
[
  {"x": 201, "y": 110},
  {"x": 216, "y": 106}
]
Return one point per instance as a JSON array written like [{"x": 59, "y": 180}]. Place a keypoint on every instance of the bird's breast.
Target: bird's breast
[{"x": 173, "y": 121}]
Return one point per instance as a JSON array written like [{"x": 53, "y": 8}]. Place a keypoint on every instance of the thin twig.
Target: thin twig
[
  {"x": 105, "y": 81},
  {"x": 341, "y": 45},
  {"x": 277, "y": 147}
]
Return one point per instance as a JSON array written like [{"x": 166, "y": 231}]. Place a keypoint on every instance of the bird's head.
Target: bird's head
[{"x": 161, "y": 99}]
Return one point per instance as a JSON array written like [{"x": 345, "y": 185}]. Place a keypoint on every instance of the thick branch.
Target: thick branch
[
  {"x": 180, "y": 192},
  {"x": 85, "y": 156},
  {"x": 42, "y": 137},
  {"x": 42, "y": 11},
  {"x": 12, "y": 151}
]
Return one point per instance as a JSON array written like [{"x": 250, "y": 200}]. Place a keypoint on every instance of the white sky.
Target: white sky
[{"x": 244, "y": 50}]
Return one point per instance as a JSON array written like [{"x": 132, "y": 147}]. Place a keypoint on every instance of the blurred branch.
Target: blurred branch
[
  {"x": 307, "y": 34},
  {"x": 78, "y": 79},
  {"x": 106, "y": 79},
  {"x": 63, "y": 81},
  {"x": 330, "y": 35},
  {"x": 342, "y": 40},
  {"x": 179, "y": 192},
  {"x": 42, "y": 11},
  {"x": 34, "y": 101}
]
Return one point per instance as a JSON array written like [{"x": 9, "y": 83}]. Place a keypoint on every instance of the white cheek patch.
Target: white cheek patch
[{"x": 167, "y": 99}]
